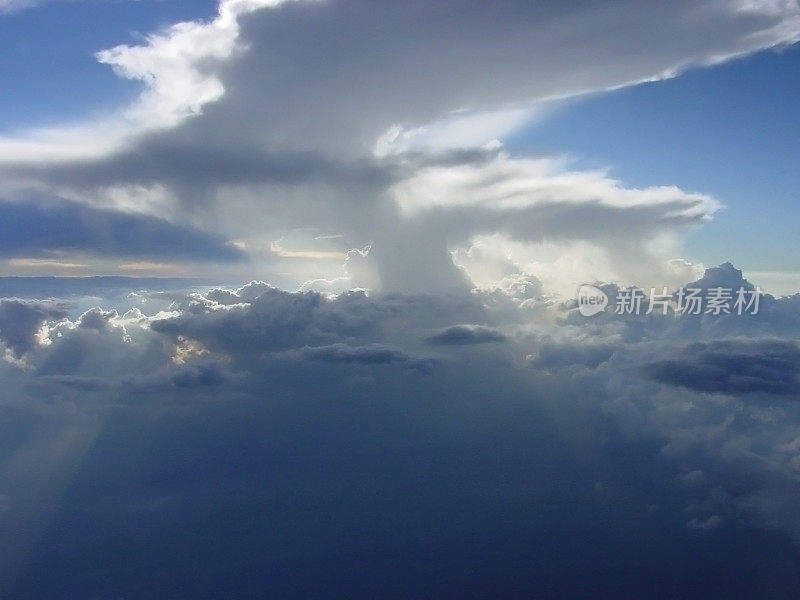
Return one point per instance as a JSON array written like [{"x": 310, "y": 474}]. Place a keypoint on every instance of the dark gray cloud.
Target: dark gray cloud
[
  {"x": 203, "y": 373},
  {"x": 733, "y": 367},
  {"x": 577, "y": 353},
  {"x": 78, "y": 382},
  {"x": 464, "y": 335},
  {"x": 260, "y": 318},
  {"x": 21, "y": 319},
  {"x": 371, "y": 354},
  {"x": 97, "y": 318},
  {"x": 724, "y": 276},
  {"x": 190, "y": 424}
]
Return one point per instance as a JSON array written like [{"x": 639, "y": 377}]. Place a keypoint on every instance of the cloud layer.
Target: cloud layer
[{"x": 330, "y": 425}]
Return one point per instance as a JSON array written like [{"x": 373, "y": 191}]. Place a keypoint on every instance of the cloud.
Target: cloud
[
  {"x": 12, "y": 6},
  {"x": 704, "y": 524},
  {"x": 36, "y": 230},
  {"x": 527, "y": 202},
  {"x": 88, "y": 383},
  {"x": 210, "y": 399},
  {"x": 283, "y": 51},
  {"x": 259, "y": 318},
  {"x": 582, "y": 353},
  {"x": 733, "y": 367},
  {"x": 112, "y": 289},
  {"x": 724, "y": 276},
  {"x": 97, "y": 318},
  {"x": 192, "y": 375},
  {"x": 21, "y": 320},
  {"x": 371, "y": 354},
  {"x": 247, "y": 120},
  {"x": 322, "y": 46},
  {"x": 464, "y": 335},
  {"x": 177, "y": 68}
]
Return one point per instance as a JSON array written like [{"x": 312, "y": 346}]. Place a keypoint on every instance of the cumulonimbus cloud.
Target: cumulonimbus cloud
[{"x": 278, "y": 107}]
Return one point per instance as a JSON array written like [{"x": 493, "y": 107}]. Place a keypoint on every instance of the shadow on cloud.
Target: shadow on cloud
[{"x": 33, "y": 230}]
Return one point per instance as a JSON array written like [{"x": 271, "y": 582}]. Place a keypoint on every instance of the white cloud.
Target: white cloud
[
  {"x": 505, "y": 184},
  {"x": 461, "y": 129},
  {"x": 267, "y": 59},
  {"x": 563, "y": 226},
  {"x": 178, "y": 68},
  {"x": 10, "y": 6},
  {"x": 265, "y": 118}
]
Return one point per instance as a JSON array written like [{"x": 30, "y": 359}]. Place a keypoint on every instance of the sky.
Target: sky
[
  {"x": 48, "y": 63},
  {"x": 728, "y": 131},
  {"x": 337, "y": 299},
  {"x": 91, "y": 86}
]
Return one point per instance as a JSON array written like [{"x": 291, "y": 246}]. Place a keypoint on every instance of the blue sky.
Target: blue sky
[
  {"x": 729, "y": 130},
  {"x": 47, "y": 59}
]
